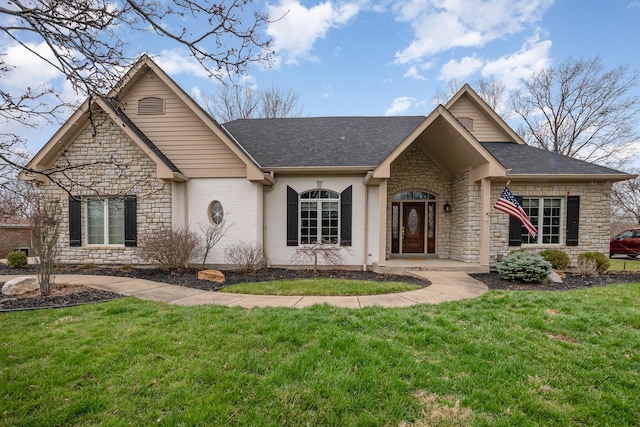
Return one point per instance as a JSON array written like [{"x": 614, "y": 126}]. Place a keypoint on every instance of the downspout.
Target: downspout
[
  {"x": 365, "y": 260},
  {"x": 265, "y": 190},
  {"x": 186, "y": 205}
]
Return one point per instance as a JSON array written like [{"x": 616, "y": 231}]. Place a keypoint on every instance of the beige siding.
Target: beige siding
[
  {"x": 484, "y": 129},
  {"x": 180, "y": 134}
]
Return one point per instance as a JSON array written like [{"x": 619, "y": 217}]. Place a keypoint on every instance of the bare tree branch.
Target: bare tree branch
[
  {"x": 247, "y": 102},
  {"x": 580, "y": 109},
  {"x": 626, "y": 199},
  {"x": 83, "y": 40}
]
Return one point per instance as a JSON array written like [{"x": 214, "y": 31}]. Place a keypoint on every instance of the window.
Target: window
[
  {"x": 319, "y": 217},
  {"x": 413, "y": 195},
  {"x": 546, "y": 215},
  {"x": 105, "y": 221},
  {"x": 216, "y": 213}
]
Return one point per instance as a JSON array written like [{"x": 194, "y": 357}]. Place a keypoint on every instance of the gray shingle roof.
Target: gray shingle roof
[
  {"x": 524, "y": 159},
  {"x": 321, "y": 141}
]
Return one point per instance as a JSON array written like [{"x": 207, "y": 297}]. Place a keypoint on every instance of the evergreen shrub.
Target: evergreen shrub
[
  {"x": 17, "y": 259},
  {"x": 527, "y": 267},
  {"x": 559, "y": 259}
]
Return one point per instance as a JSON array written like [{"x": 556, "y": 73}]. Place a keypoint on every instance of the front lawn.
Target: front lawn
[
  {"x": 624, "y": 264},
  {"x": 506, "y": 358},
  {"x": 320, "y": 286}
]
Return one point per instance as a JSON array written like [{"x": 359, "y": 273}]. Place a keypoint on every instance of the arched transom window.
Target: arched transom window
[
  {"x": 319, "y": 217},
  {"x": 413, "y": 195}
]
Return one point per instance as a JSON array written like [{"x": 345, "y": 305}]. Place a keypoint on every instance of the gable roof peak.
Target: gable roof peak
[{"x": 467, "y": 91}]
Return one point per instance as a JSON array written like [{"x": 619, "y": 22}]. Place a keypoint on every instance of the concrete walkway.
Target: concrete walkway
[{"x": 445, "y": 286}]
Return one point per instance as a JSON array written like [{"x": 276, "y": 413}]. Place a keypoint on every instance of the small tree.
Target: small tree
[
  {"x": 212, "y": 233},
  {"x": 46, "y": 234},
  {"x": 327, "y": 253},
  {"x": 247, "y": 257},
  {"x": 171, "y": 248}
]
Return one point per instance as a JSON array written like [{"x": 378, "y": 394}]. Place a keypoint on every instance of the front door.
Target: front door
[{"x": 413, "y": 227}]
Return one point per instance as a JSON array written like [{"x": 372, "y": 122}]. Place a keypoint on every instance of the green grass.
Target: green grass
[
  {"x": 320, "y": 286},
  {"x": 627, "y": 264},
  {"x": 504, "y": 359}
]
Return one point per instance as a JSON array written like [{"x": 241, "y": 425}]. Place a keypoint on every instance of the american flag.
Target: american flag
[{"x": 508, "y": 204}]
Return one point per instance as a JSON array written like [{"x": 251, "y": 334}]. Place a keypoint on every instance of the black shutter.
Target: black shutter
[
  {"x": 130, "y": 221},
  {"x": 345, "y": 217},
  {"x": 75, "y": 221},
  {"x": 573, "y": 218},
  {"x": 515, "y": 229},
  {"x": 292, "y": 217}
]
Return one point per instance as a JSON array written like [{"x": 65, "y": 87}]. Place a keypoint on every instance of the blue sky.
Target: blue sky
[{"x": 368, "y": 57}]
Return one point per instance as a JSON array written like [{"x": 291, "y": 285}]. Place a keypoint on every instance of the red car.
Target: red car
[{"x": 626, "y": 243}]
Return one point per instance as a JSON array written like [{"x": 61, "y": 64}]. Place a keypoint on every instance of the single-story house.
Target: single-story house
[
  {"x": 377, "y": 187},
  {"x": 15, "y": 235}
]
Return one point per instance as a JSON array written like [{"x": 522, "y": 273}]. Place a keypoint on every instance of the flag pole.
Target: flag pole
[{"x": 488, "y": 216}]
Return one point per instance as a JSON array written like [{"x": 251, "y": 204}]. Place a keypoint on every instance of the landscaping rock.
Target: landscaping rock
[
  {"x": 554, "y": 277},
  {"x": 561, "y": 273},
  {"x": 20, "y": 286},
  {"x": 211, "y": 275}
]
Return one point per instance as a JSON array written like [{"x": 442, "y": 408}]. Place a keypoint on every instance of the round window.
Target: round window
[{"x": 217, "y": 213}]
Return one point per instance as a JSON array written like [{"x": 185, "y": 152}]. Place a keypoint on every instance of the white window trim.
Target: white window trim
[
  {"x": 562, "y": 232},
  {"x": 319, "y": 219},
  {"x": 105, "y": 224}
]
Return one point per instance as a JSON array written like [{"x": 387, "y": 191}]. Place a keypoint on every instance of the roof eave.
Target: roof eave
[
  {"x": 569, "y": 177},
  {"x": 321, "y": 169}
]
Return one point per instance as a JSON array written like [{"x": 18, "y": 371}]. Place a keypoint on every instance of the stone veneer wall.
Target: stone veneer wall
[
  {"x": 416, "y": 171},
  {"x": 594, "y": 225},
  {"x": 125, "y": 170},
  {"x": 466, "y": 208}
]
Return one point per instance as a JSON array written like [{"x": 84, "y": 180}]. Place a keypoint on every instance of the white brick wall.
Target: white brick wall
[
  {"x": 276, "y": 221},
  {"x": 242, "y": 204}
]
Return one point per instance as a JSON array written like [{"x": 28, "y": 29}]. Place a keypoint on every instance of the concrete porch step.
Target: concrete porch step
[{"x": 400, "y": 265}]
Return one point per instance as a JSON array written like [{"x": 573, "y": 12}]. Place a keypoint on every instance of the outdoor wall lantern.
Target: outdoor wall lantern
[{"x": 447, "y": 207}]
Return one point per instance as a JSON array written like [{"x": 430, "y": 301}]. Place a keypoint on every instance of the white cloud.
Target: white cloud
[
  {"x": 440, "y": 25},
  {"x": 296, "y": 28},
  {"x": 177, "y": 61},
  {"x": 29, "y": 70},
  {"x": 533, "y": 56},
  {"x": 400, "y": 105},
  {"x": 460, "y": 69},
  {"x": 413, "y": 73}
]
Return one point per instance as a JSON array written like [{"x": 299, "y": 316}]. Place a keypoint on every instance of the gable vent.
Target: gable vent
[
  {"x": 151, "y": 105},
  {"x": 467, "y": 122}
]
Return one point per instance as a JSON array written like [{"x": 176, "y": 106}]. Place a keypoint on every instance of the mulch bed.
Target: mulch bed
[
  {"x": 68, "y": 295},
  {"x": 187, "y": 277},
  {"x": 572, "y": 281}
]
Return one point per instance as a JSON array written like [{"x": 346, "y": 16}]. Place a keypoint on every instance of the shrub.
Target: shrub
[
  {"x": 310, "y": 255},
  {"x": 171, "y": 248},
  {"x": 247, "y": 257},
  {"x": 559, "y": 259},
  {"x": 524, "y": 267},
  {"x": 587, "y": 267},
  {"x": 601, "y": 260},
  {"x": 17, "y": 259}
]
